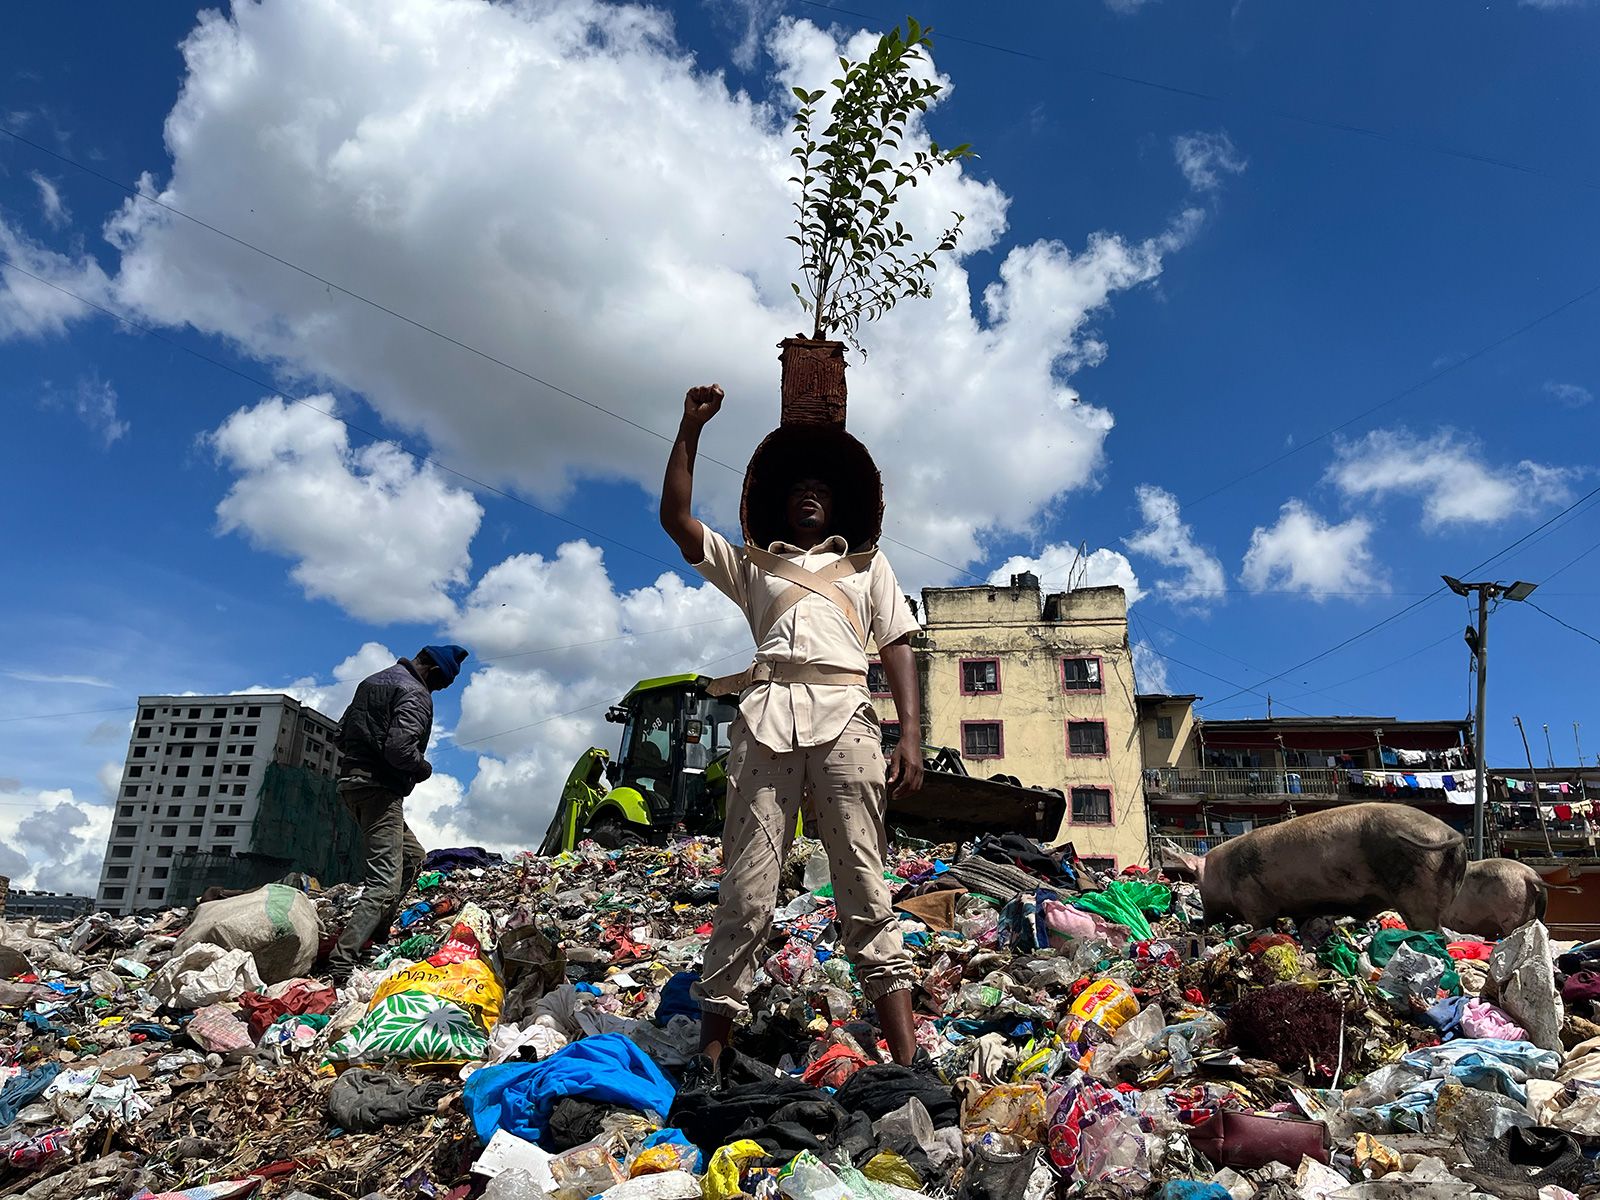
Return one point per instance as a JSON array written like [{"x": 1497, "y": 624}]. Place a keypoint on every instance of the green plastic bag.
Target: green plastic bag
[
  {"x": 429, "y": 879},
  {"x": 1125, "y": 901},
  {"x": 1386, "y": 941},
  {"x": 1341, "y": 956}
]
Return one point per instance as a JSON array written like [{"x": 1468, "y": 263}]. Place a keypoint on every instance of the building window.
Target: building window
[
  {"x": 249, "y": 731},
  {"x": 158, "y": 893},
  {"x": 147, "y": 714},
  {"x": 233, "y": 731},
  {"x": 227, "y": 768},
  {"x": 138, "y": 751},
  {"x": 891, "y": 735},
  {"x": 206, "y": 772},
  {"x": 877, "y": 679},
  {"x": 135, "y": 772},
  {"x": 238, "y": 789},
  {"x": 216, "y": 731},
  {"x": 125, "y": 811},
  {"x": 182, "y": 772},
  {"x": 1107, "y": 866},
  {"x": 158, "y": 872},
  {"x": 130, "y": 790},
  {"x": 238, "y": 712},
  {"x": 177, "y": 789},
  {"x": 172, "y": 810},
  {"x": 194, "y": 831},
  {"x": 979, "y": 676},
  {"x": 253, "y": 711},
  {"x": 235, "y": 810},
  {"x": 211, "y": 751},
  {"x": 185, "y": 751},
  {"x": 226, "y": 831},
  {"x": 126, "y": 831},
  {"x": 981, "y": 739},
  {"x": 122, "y": 852},
  {"x": 190, "y": 731},
  {"x": 143, "y": 731},
  {"x": 1091, "y": 806},
  {"x": 216, "y": 714},
  {"x": 116, "y": 872},
  {"x": 168, "y": 831},
  {"x": 114, "y": 893},
  {"x": 1080, "y": 674},
  {"x": 203, "y": 790},
  {"x": 246, "y": 751},
  {"x": 1164, "y": 728},
  {"x": 1086, "y": 738},
  {"x": 163, "y": 851}
]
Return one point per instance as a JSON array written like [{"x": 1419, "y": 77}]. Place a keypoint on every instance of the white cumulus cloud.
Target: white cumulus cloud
[
  {"x": 51, "y": 206},
  {"x": 1449, "y": 473},
  {"x": 1204, "y": 158},
  {"x": 1167, "y": 539},
  {"x": 1572, "y": 395},
  {"x": 369, "y": 529},
  {"x": 1303, "y": 552},
  {"x": 52, "y": 840},
  {"x": 626, "y": 244},
  {"x": 1149, "y": 669},
  {"x": 1060, "y": 566}
]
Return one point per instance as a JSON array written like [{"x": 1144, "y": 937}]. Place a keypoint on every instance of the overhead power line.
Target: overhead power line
[
  {"x": 1415, "y": 604},
  {"x": 1060, "y": 62},
  {"x": 1563, "y": 624}
]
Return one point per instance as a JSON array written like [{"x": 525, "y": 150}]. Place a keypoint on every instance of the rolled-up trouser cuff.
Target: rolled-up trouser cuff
[
  {"x": 720, "y": 1005},
  {"x": 876, "y": 989}
]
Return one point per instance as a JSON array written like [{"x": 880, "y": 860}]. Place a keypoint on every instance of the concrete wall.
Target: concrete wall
[
  {"x": 1179, "y": 750},
  {"x": 1028, "y": 635}
]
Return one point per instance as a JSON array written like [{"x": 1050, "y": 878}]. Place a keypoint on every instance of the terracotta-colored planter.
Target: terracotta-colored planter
[
  {"x": 813, "y": 382},
  {"x": 810, "y": 439}
]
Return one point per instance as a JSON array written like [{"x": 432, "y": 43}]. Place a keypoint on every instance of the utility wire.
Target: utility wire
[
  {"x": 1559, "y": 621},
  {"x": 1207, "y": 674},
  {"x": 1415, "y": 604},
  {"x": 1059, "y": 63},
  {"x": 81, "y": 712},
  {"x": 417, "y": 456}
]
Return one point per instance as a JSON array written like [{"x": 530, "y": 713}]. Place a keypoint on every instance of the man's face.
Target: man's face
[{"x": 810, "y": 508}]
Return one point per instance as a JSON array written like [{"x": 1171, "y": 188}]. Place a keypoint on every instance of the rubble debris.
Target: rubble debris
[{"x": 1083, "y": 1036}]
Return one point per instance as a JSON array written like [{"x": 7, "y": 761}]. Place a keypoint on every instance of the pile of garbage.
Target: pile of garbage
[{"x": 521, "y": 1034}]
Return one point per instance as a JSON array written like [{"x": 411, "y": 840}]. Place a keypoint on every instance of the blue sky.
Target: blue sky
[{"x": 1201, "y": 237}]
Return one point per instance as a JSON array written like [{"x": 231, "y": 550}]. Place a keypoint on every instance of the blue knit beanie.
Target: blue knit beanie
[{"x": 448, "y": 659}]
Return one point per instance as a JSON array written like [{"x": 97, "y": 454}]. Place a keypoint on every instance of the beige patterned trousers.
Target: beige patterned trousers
[{"x": 765, "y": 789}]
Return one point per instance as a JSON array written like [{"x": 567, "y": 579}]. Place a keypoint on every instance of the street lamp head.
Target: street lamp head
[
  {"x": 1456, "y": 585},
  {"x": 1520, "y": 590}
]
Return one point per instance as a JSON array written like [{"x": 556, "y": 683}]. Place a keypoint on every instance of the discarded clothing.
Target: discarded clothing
[
  {"x": 518, "y": 1097},
  {"x": 1386, "y": 941},
  {"x": 882, "y": 1088},
  {"x": 457, "y": 858},
  {"x": 363, "y": 1099},
  {"x": 25, "y": 1088}
]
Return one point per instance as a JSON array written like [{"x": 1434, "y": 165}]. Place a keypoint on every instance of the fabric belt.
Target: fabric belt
[{"x": 782, "y": 672}]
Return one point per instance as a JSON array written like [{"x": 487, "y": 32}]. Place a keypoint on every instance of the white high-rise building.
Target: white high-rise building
[{"x": 191, "y": 781}]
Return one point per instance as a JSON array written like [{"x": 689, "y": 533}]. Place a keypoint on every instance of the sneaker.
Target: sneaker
[{"x": 700, "y": 1074}]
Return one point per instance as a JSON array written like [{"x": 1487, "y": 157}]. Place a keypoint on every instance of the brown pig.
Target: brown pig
[
  {"x": 1497, "y": 897},
  {"x": 1356, "y": 860}
]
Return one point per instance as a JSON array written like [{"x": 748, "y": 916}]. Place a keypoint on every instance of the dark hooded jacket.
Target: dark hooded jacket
[{"x": 384, "y": 733}]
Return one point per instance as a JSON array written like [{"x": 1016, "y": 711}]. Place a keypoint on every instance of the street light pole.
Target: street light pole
[
  {"x": 1481, "y": 785},
  {"x": 1478, "y": 642}
]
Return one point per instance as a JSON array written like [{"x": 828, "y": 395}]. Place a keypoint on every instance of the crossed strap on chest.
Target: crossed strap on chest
[{"x": 802, "y": 583}]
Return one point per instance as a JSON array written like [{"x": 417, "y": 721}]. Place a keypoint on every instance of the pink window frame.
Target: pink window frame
[
  {"x": 1001, "y": 741},
  {"x": 1111, "y": 806},
  {"x": 1105, "y": 737},
  {"x": 877, "y": 662},
  {"x": 961, "y": 666},
  {"x": 1099, "y": 670}
]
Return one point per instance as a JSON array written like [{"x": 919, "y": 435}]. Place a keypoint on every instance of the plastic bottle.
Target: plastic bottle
[
  {"x": 515, "y": 1184},
  {"x": 808, "y": 1178}
]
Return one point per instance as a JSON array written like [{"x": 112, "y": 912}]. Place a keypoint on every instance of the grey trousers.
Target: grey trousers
[
  {"x": 393, "y": 861},
  {"x": 765, "y": 789}
]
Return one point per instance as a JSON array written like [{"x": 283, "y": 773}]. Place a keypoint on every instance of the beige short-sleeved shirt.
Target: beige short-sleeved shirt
[{"x": 791, "y": 716}]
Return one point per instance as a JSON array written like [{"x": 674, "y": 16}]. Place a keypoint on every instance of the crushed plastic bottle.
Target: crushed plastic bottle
[{"x": 515, "y": 1184}]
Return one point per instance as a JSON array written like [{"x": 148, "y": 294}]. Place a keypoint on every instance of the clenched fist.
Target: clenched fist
[{"x": 702, "y": 403}]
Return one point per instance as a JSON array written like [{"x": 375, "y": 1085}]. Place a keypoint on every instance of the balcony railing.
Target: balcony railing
[{"x": 1247, "y": 781}]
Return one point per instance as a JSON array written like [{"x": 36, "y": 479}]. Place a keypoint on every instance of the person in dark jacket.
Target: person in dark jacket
[{"x": 383, "y": 740}]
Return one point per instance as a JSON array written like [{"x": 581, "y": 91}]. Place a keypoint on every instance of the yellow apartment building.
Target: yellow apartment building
[{"x": 1039, "y": 687}]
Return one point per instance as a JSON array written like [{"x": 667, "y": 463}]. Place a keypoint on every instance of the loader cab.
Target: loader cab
[{"x": 674, "y": 740}]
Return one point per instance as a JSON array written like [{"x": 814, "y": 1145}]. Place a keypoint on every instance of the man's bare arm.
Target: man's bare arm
[
  {"x": 905, "y": 763},
  {"x": 677, "y": 489}
]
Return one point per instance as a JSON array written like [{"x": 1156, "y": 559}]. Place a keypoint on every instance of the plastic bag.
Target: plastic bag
[
  {"x": 1412, "y": 979},
  {"x": 470, "y": 984},
  {"x": 1010, "y": 1108},
  {"x": 1125, "y": 901},
  {"x": 1100, "y": 1010},
  {"x": 722, "y": 1175},
  {"x": 205, "y": 974},
  {"x": 419, "y": 1026}
]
